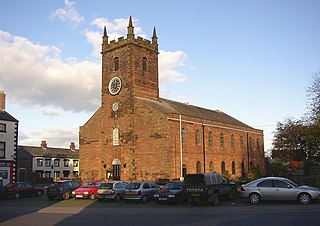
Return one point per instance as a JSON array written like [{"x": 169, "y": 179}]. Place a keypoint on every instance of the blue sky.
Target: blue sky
[{"x": 250, "y": 59}]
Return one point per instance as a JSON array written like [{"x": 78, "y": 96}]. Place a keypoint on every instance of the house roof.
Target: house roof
[
  {"x": 31, "y": 151},
  {"x": 7, "y": 117},
  {"x": 173, "y": 107}
]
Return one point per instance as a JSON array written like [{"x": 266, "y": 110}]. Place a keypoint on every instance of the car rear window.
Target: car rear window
[
  {"x": 133, "y": 186},
  {"x": 57, "y": 184},
  {"x": 106, "y": 185},
  {"x": 194, "y": 179}
]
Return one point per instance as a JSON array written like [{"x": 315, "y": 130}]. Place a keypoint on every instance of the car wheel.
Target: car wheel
[
  {"x": 117, "y": 198},
  {"x": 66, "y": 195},
  {"x": 233, "y": 194},
  {"x": 144, "y": 199},
  {"x": 39, "y": 193},
  {"x": 254, "y": 198},
  {"x": 304, "y": 198},
  {"x": 215, "y": 199},
  {"x": 92, "y": 196},
  {"x": 17, "y": 196}
]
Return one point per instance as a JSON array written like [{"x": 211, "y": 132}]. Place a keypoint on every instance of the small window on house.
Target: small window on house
[
  {"x": 184, "y": 135},
  {"x": 211, "y": 167},
  {"x": 39, "y": 162},
  {"x": 223, "y": 167},
  {"x": 66, "y": 162},
  {"x": 56, "y": 162},
  {"x": 56, "y": 174},
  {"x": 76, "y": 173},
  {"x": 241, "y": 142},
  {"x": 210, "y": 139},
  {"x": 144, "y": 64},
  {"x": 233, "y": 167},
  {"x": 221, "y": 140},
  {"x": 198, "y": 167},
  {"x": 197, "y": 137},
  {"x": 3, "y": 127},
  {"x": 47, "y": 174},
  {"x": 47, "y": 162},
  {"x": 75, "y": 163},
  {"x": 2, "y": 149},
  {"x": 232, "y": 141},
  {"x": 116, "y": 64}
]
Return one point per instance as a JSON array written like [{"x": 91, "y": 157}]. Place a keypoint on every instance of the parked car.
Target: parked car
[
  {"x": 21, "y": 189},
  {"x": 112, "y": 190},
  {"x": 62, "y": 189},
  {"x": 208, "y": 187},
  {"x": 1, "y": 188},
  {"x": 142, "y": 191},
  {"x": 278, "y": 188},
  {"x": 171, "y": 192},
  {"x": 87, "y": 190}
]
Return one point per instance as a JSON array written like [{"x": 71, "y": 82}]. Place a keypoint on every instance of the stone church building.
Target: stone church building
[{"x": 137, "y": 135}]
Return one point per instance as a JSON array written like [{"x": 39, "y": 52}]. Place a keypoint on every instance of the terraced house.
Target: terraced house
[{"x": 136, "y": 135}]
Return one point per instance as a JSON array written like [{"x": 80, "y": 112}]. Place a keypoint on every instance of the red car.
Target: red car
[
  {"x": 87, "y": 190},
  {"x": 20, "y": 189}
]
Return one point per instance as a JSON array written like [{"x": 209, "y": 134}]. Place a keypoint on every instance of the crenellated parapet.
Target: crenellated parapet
[{"x": 113, "y": 44}]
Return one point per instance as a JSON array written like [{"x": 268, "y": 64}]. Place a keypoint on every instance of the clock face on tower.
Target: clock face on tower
[{"x": 114, "y": 85}]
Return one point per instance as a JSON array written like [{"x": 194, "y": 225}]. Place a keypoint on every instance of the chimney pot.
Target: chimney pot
[
  {"x": 72, "y": 146},
  {"x": 2, "y": 101},
  {"x": 43, "y": 144}
]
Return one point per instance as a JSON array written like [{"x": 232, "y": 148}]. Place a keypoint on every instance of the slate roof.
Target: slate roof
[
  {"x": 31, "y": 151},
  {"x": 173, "y": 107},
  {"x": 7, "y": 117}
]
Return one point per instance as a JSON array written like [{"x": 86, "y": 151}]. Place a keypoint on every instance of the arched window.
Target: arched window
[
  {"x": 184, "y": 135},
  {"x": 198, "y": 167},
  {"x": 221, "y": 140},
  {"x": 144, "y": 64},
  {"x": 232, "y": 141},
  {"x": 241, "y": 142},
  {"x": 250, "y": 144},
  {"x": 258, "y": 145},
  {"x": 211, "y": 167},
  {"x": 116, "y": 64},
  {"x": 223, "y": 167},
  {"x": 184, "y": 170},
  {"x": 115, "y": 137},
  {"x": 243, "y": 172},
  {"x": 210, "y": 139},
  {"x": 197, "y": 137},
  {"x": 233, "y": 167}
]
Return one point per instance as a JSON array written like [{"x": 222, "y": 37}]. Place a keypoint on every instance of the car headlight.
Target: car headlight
[
  {"x": 73, "y": 193},
  {"x": 171, "y": 196},
  {"x": 156, "y": 195},
  {"x": 86, "y": 193}
]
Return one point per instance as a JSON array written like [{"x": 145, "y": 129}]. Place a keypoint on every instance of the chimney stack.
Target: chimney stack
[
  {"x": 72, "y": 146},
  {"x": 43, "y": 144},
  {"x": 2, "y": 101}
]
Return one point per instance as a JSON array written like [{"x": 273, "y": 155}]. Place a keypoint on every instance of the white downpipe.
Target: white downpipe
[{"x": 180, "y": 122}]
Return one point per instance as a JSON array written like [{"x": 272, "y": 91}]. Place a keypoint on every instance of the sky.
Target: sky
[{"x": 252, "y": 59}]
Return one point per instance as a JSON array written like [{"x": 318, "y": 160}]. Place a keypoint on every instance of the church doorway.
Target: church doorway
[{"x": 116, "y": 165}]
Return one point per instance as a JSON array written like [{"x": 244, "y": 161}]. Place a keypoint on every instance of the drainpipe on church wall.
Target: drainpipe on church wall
[
  {"x": 204, "y": 149},
  {"x": 180, "y": 127}
]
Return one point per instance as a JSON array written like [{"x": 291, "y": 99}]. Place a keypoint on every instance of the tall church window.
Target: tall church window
[
  {"x": 250, "y": 144},
  {"x": 144, "y": 64},
  {"x": 258, "y": 145},
  {"x": 221, "y": 140},
  {"x": 232, "y": 141},
  {"x": 197, "y": 137},
  {"x": 241, "y": 142},
  {"x": 210, "y": 139},
  {"x": 211, "y": 167},
  {"x": 223, "y": 167},
  {"x": 115, "y": 137},
  {"x": 184, "y": 135},
  {"x": 233, "y": 167},
  {"x": 116, "y": 64},
  {"x": 198, "y": 167}
]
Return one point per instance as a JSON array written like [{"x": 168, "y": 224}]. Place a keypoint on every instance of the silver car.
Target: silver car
[
  {"x": 278, "y": 188},
  {"x": 142, "y": 191},
  {"x": 112, "y": 190}
]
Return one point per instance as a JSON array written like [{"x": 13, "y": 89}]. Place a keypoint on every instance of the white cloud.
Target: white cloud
[
  {"x": 32, "y": 74},
  {"x": 69, "y": 13},
  {"x": 168, "y": 61}
]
